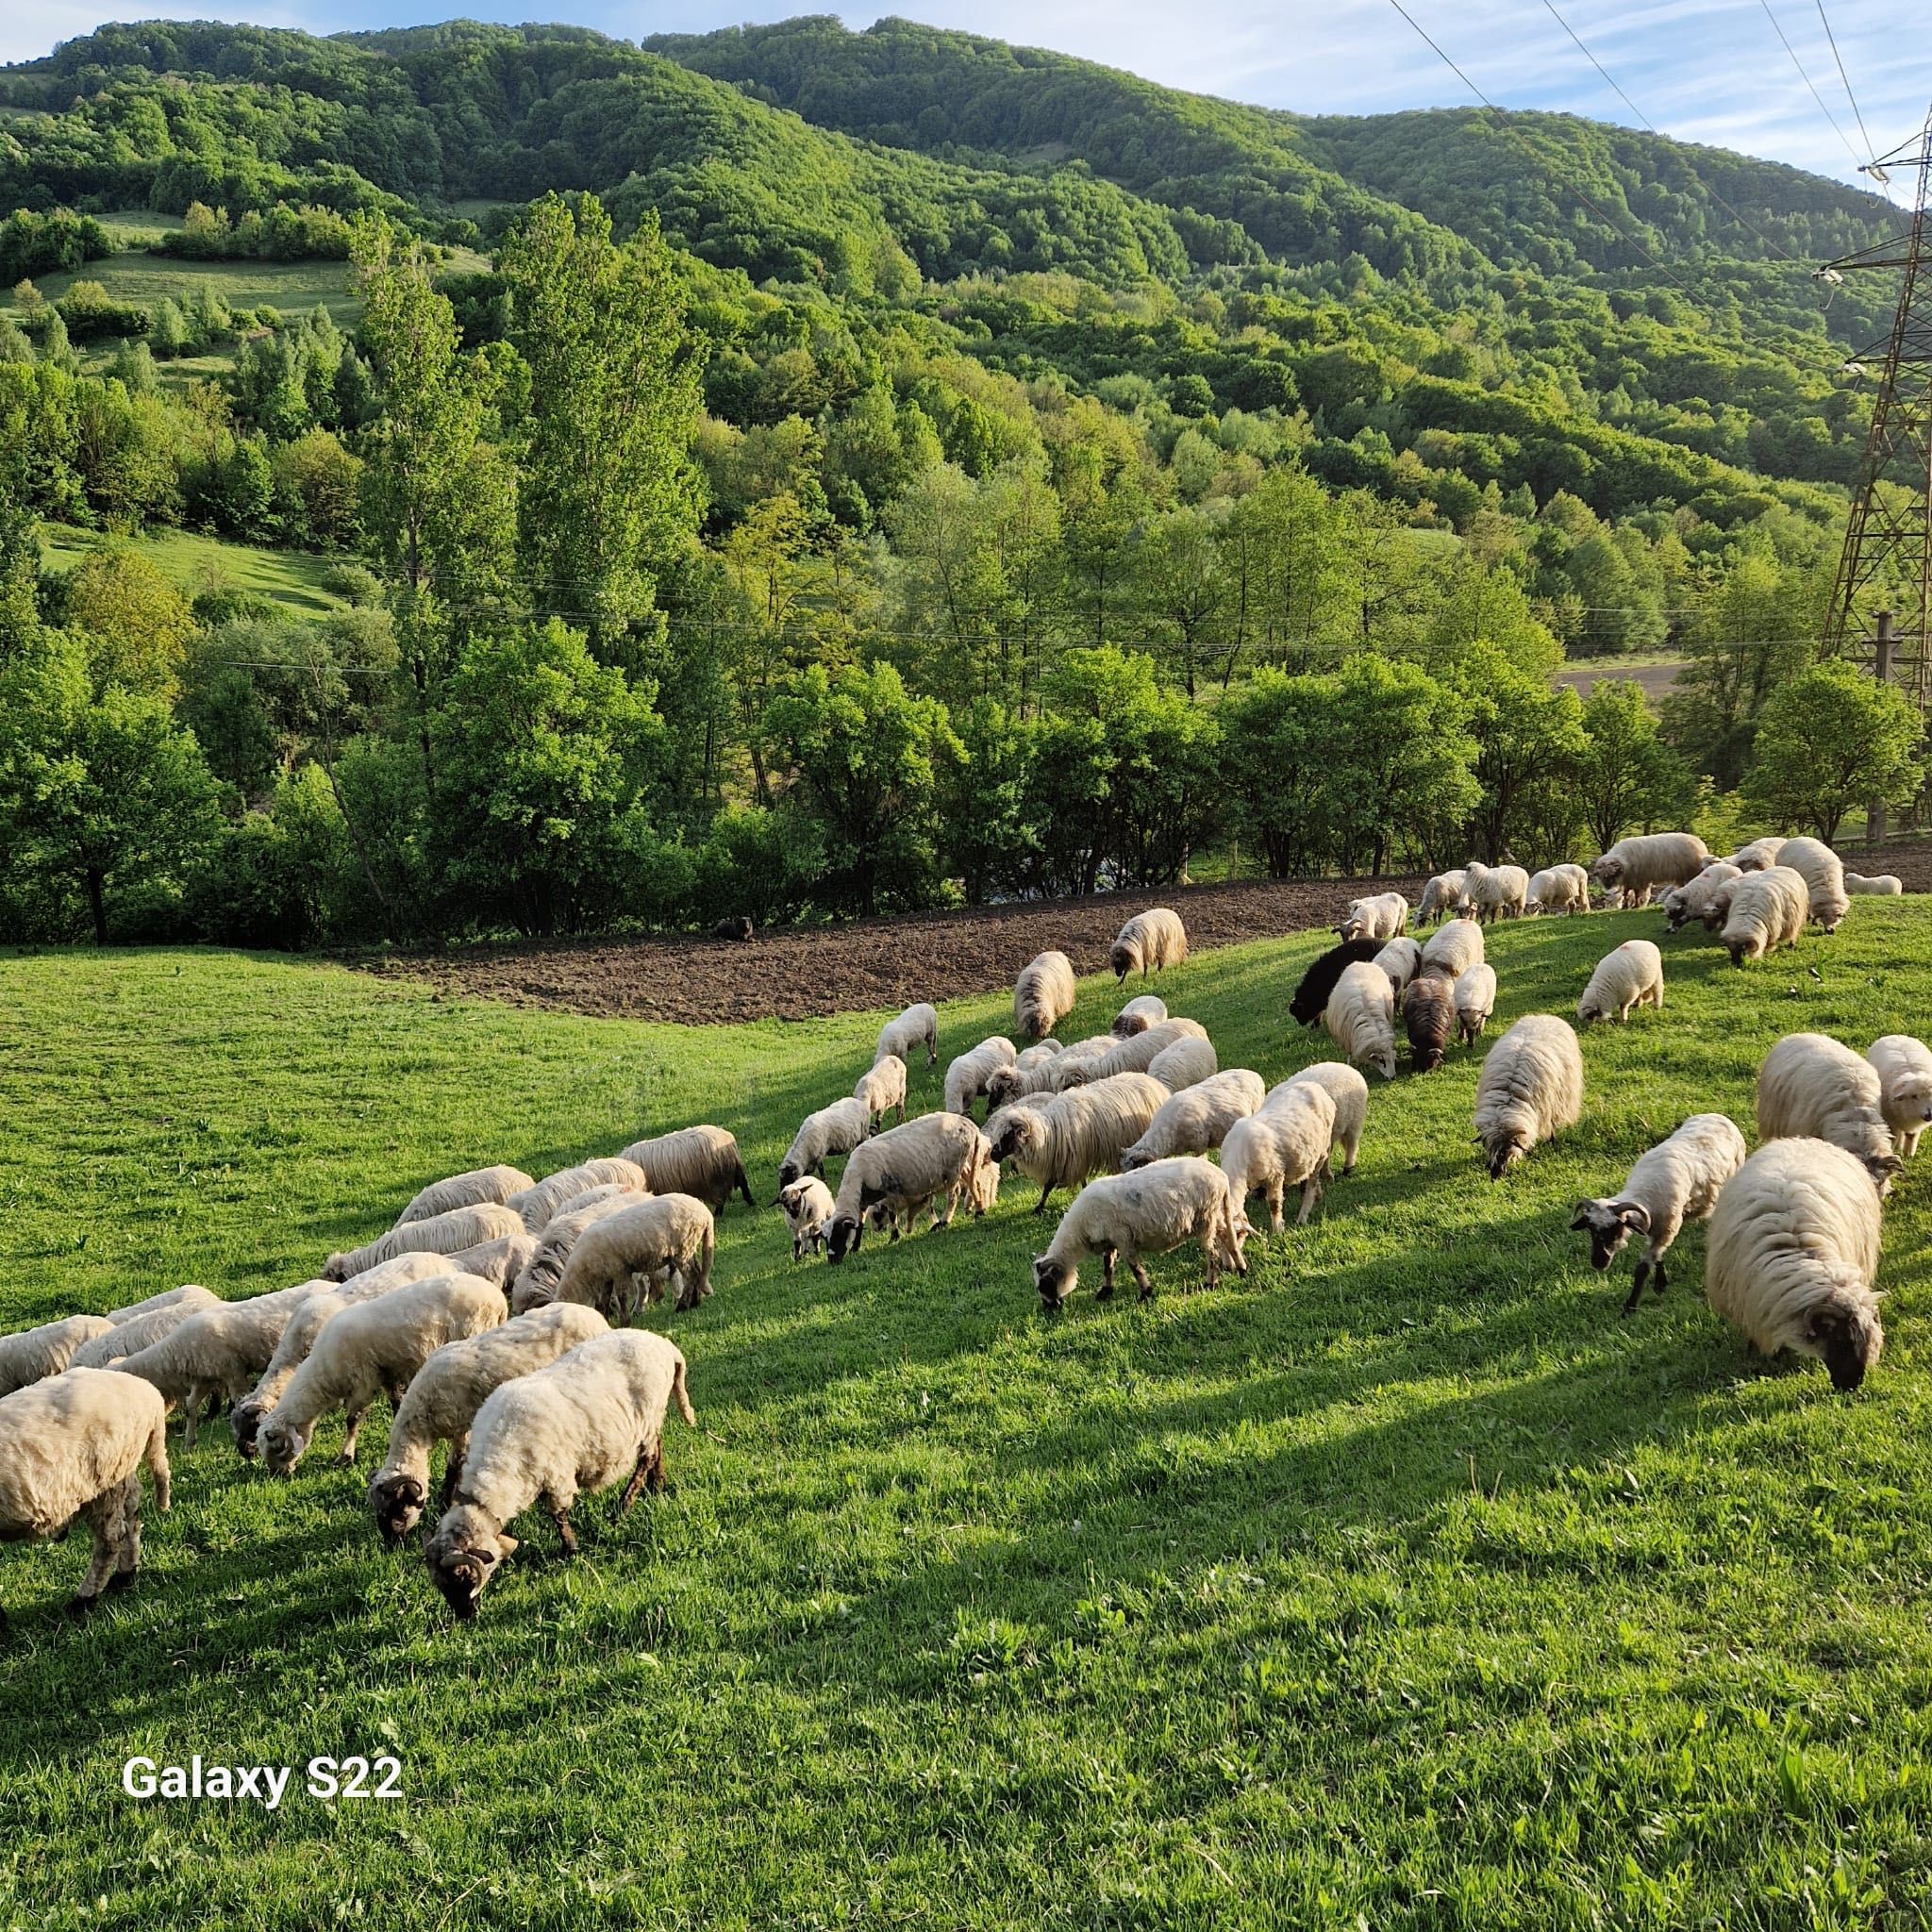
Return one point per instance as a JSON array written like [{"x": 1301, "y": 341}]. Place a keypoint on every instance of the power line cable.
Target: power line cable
[
  {"x": 1806, "y": 80},
  {"x": 1824, "y": 20}
]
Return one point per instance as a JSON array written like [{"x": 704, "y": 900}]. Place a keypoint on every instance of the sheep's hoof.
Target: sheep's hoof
[
  {"x": 121, "y": 1579},
  {"x": 81, "y": 1606}
]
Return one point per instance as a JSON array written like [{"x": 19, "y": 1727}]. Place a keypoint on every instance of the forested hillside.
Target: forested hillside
[{"x": 899, "y": 467}]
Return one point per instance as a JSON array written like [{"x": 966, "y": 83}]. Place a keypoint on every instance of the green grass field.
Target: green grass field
[
  {"x": 290, "y": 577},
  {"x": 134, "y": 275},
  {"x": 1399, "y": 1585}
]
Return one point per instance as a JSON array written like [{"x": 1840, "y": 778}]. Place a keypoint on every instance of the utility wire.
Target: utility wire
[
  {"x": 1806, "y": 80},
  {"x": 1824, "y": 19}
]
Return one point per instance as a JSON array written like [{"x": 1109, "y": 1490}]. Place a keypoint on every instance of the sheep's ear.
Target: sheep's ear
[
  {"x": 1580, "y": 1219},
  {"x": 1634, "y": 1214}
]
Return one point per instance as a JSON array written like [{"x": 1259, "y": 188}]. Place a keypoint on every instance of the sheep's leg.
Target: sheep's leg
[
  {"x": 1637, "y": 1281},
  {"x": 453, "y": 1473},
  {"x": 190, "y": 1415},
  {"x": 638, "y": 1477},
  {"x": 1909, "y": 1144},
  {"x": 1348, "y": 1153},
  {"x": 1142, "y": 1280},
  {"x": 1659, "y": 1279},
  {"x": 102, "y": 1515},
  {"x": 1312, "y": 1192},
  {"x": 1276, "y": 1187},
  {"x": 347, "y": 1452},
  {"x": 128, "y": 1559},
  {"x": 1039, "y": 1207},
  {"x": 559, "y": 1514},
  {"x": 1108, "y": 1258}
]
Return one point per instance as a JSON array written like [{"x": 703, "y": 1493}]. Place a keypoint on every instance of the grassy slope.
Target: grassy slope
[
  {"x": 1403, "y": 1579},
  {"x": 137, "y": 277},
  {"x": 290, "y": 577}
]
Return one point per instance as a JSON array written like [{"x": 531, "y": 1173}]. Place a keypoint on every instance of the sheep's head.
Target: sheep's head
[
  {"x": 1884, "y": 1169},
  {"x": 880, "y": 1215},
  {"x": 1383, "y": 1060},
  {"x": 1609, "y": 1225},
  {"x": 335, "y": 1269},
  {"x": 1126, "y": 1024},
  {"x": 1013, "y": 1133},
  {"x": 1844, "y": 1332},
  {"x": 464, "y": 1554},
  {"x": 283, "y": 1445},
  {"x": 789, "y": 1172},
  {"x": 398, "y": 1502},
  {"x": 1608, "y": 872},
  {"x": 1125, "y": 959},
  {"x": 245, "y": 1422},
  {"x": 1503, "y": 1151},
  {"x": 1588, "y": 1011},
  {"x": 1741, "y": 949},
  {"x": 841, "y": 1237},
  {"x": 1136, "y": 1157},
  {"x": 1912, "y": 1096},
  {"x": 1056, "y": 1280}
]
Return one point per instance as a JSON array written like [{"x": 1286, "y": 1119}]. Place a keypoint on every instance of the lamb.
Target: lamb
[
  {"x": 1824, "y": 874},
  {"x": 983, "y": 1190},
  {"x": 1531, "y": 1085},
  {"x": 1632, "y": 975},
  {"x": 130, "y": 1338},
  {"x": 1282, "y": 1148},
  {"x": 1043, "y": 994},
  {"x": 1442, "y": 895},
  {"x": 1310, "y": 999},
  {"x": 1428, "y": 1017},
  {"x": 1197, "y": 1119},
  {"x": 908, "y": 1167},
  {"x": 632, "y": 1256},
  {"x": 1792, "y": 1253},
  {"x": 218, "y": 1353},
  {"x": 835, "y": 1129},
  {"x": 1696, "y": 898},
  {"x": 1762, "y": 911},
  {"x": 881, "y": 1088},
  {"x": 193, "y": 1293},
  {"x": 1146, "y": 1212},
  {"x": 1346, "y": 1088},
  {"x": 1186, "y": 1064},
  {"x": 34, "y": 1354},
  {"x": 966, "y": 1078},
  {"x": 593, "y": 1417},
  {"x": 1812, "y": 1086},
  {"x": 1032, "y": 1073},
  {"x": 1134, "y": 1055},
  {"x": 700, "y": 1161},
  {"x": 916, "y": 1026},
  {"x": 74, "y": 1445},
  {"x": 536, "y": 1282},
  {"x": 1059, "y": 1142},
  {"x": 1676, "y": 1181},
  {"x": 441, "y": 1234},
  {"x": 1557, "y": 888},
  {"x": 374, "y": 1348},
  {"x": 443, "y": 1399},
  {"x": 808, "y": 1205},
  {"x": 1758, "y": 856},
  {"x": 1381, "y": 917},
  {"x": 1401, "y": 959},
  {"x": 1360, "y": 1018},
  {"x": 1149, "y": 942},
  {"x": 493, "y": 1185},
  {"x": 1636, "y": 867},
  {"x": 1904, "y": 1079},
  {"x": 1453, "y": 949},
  {"x": 1139, "y": 1014},
  {"x": 555, "y": 1192},
  {"x": 1495, "y": 892},
  {"x": 1885, "y": 884},
  {"x": 1475, "y": 1000}
]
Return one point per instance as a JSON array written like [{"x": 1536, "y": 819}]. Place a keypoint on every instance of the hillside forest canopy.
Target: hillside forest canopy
[{"x": 804, "y": 474}]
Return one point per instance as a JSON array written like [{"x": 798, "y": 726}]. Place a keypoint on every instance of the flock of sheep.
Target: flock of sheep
[{"x": 494, "y": 1313}]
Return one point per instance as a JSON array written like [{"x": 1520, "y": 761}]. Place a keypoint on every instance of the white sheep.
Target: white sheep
[
  {"x": 541, "y": 1204},
  {"x": 1149, "y": 1211},
  {"x": 130, "y": 1338},
  {"x": 193, "y": 1291},
  {"x": 1557, "y": 888},
  {"x": 882, "y": 1088},
  {"x": 536, "y": 1283},
  {"x": 1361, "y": 1017},
  {"x": 1884, "y": 885},
  {"x": 1636, "y": 867},
  {"x": 1139, "y": 1014},
  {"x": 806, "y": 1204},
  {"x": 1495, "y": 892},
  {"x": 32, "y": 1353},
  {"x": 967, "y": 1075},
  {"x": 441, "y": 1234},
  {"x": 1197, "y": 1120},
  {"x": 1792, "y": 1254},
  {"x": 493, "y": 1185},
  {"x": 907, "y": 1168},
  {"x": 701, "y": 1161},
  {"x": 835, "y": 1129},
  {"x": 218, "y": 1353},
  {"x": 1134, "y": 1055},
  {"x": 1043, "y": 994},
  {"x": 1675, "y": 1182},
  {"x": 1824, "y": 874},
  {"x": 1474, "y": 996},
  {"x": 1758, "y": 854},
  {"x": 1346, "y": 1088},
  {"x": 1032, "y": 1073},
  {"x": 1905, "y": 1078},
  {"x": 1632, "y": 975},
  {"x": 1059, "y": 1140},
  {"x": 635, "y": 1256},
  {"x": 589, "y": 1420},
  {"x": 500, "y": 1260},
  {"x": 1186, "y": 1064},
  {"x": 1698, "y": 898},
  {"x": 1454, "y": 949},
  {"x": 915, "y": 1028},
  {"x": 1381, "y": 916},
  {"x": 1149, "y": 942},
  {"x": 1812, "y": 1086},
  {"x": 442, "y": 1401},
  {"x": 74, "y": 1445},
  {"x": 1442, "y": 895},
  {"x": 1280, "y": 1147},
  {"x": 1530, "y": 1087},
  {"x": 1762, "y": 913},
  {"x": 1401, "y": 959}
]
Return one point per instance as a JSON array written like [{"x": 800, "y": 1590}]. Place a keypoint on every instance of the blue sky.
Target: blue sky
[{"x": 1706, "y": 69}]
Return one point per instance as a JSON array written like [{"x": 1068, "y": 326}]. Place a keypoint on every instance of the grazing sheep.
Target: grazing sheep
[
  {"x": 1812, "y": 1086},
  {"x": 1762, "y": 913},
  {"x": 130, "y": 1338},
  {"x": 218, "y": 1353},
  {"x": 1824, "y": 874},
  {"x": 493, "y": 1185},
  {"x": 1134, "y": 1055},
  {"x": 629, "y": 1259},
  {"x": 1382, "y": 916},
  {"x": 1442, "y": 895},
  {"x": 1043, "y": 994},
  {"x": 1186, "y": 1064},
  {"x": 1312, "y": 996},
  {"x": 736, "y": 926},
  {"x": 1346, "y": 1088},
  {"x": 194, "y": 1292},
  {"x": 1696, "y": 898},
  {"x": 1146, "y": 1212},
  {"x": 1530, "y": 1087},
  {"x": 1904, "y": 1079},
  {"x": 882, "y": 1088},
  {"x": 1453, "y": 949},
  {"x": 1149, "y": 942},
  {"x": 1495, "y": 892},
  {"x": 1285, "y": 1146},
  {"x": 501, "y": 1260},
  {"x": 370, "y": 1349},
  {"x": 808, "y": 1207},
  {"x": 441, "y": 1234},
  {"x": 1059, "y": 1142},
  {"x": 1428, "y": 1017},
  {"x": 1557, "y": 888},
  {"x": 915, "y": 1028},
  {"x": 555, "y": 1192},
  {"x": 443, "y": 1399},
  {"x": 1401, "y": 959},
  {"x": 1676, "y": 1181},
  {"x": 1197, "y": 1119},
  {"x": 536, "y": 1282},
  {"x": 1636, "y": 867},
  {"x": 74, "y": 1445},
  {"x": 1475, "y": 1000},
  {"x": 1758, "y": 856},
  {"x": 33, "y": 1354},
  {"x": 700, "y": 1161},
  {"x": 1034, "y": 1072},
  {"x": 908, "y": 1168},
  {"x": 1632, "y": 975},
  {"x": 1885, "y": 884},
  {"x": 1360, "y": 1018},
  {"x": 1792, "y": 1253},
  {"x": 835, "y": 1129},
  {"x": 590, "y": 1418},
  {"x": 1139, "y": 1014},
  {"x": 966, "y": 1078}
]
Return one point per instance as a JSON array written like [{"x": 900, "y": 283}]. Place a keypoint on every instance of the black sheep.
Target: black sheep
[{"x": 1310, "y": 999}]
